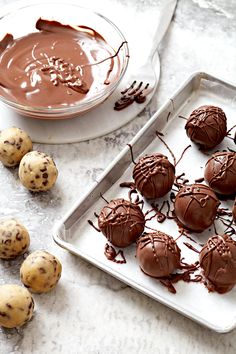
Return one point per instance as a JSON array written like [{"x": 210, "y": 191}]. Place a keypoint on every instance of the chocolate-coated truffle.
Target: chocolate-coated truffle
[
  {"x": 220, "y": 172},
  {"x": 154, "y": 175},
  {"x": 158, "y": 254},
  {"x": 122, "y": 222},
  {"x": 196, "y": 206},
  {"x": 207, "y": 126},
  {"x": 218, "y": 261}
]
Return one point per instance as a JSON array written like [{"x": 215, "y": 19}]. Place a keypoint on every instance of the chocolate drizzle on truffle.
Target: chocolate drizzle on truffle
[
  {"x": 220, "y": 172},
  {"x": 121, "y": 221},
  {"x": 207, "y": 126},
  {"x": 196, "y": 207},
  {"x": 218, "y": 261}
]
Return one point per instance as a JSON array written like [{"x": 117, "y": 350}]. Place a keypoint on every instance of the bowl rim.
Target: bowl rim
[{"x": 6, "y": 10}]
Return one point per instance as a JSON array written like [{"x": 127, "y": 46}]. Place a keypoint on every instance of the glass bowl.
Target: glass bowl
[{"x": 20, "y": 18}]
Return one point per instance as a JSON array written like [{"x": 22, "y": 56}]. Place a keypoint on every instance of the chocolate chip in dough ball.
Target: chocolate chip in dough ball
[
  {"x": 16, "y": 305},
  {"x": 14, "y": 238},
  {"x": 40, "y": 272},
  {"x": 37, "y": 171},
  {"x": 14, "y": 144}
]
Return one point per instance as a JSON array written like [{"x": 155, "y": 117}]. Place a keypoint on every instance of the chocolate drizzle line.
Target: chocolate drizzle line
[
  {"x": 183, "y": 117},
  {"x": 199, "y": 180},
  {"x": 106, "y": 81},
  {"x": 112, "y": 255},
  {"x": 185, "y": 276},
  {"x": 180, "y": 181},
  {"x": 191, "y": 247},
  {"x": 168, "y": 116},
  {"x": 132, "y": 94},
  {"x": 230, "y": 229},
  {"x": 159, "y": 135},
  {"x": 103, "y": 198},
  {"x": 181, "y": 156},
  {"x": 127, "y": 185},
  {"x": 228, "y": 132},
  {"x": 131, "y": 152},
  {"x": 92, "y": 224},
  {"x": 162, "y": 216}
]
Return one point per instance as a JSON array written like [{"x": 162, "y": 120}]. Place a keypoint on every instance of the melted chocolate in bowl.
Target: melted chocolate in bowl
[{"x": 57, "y": 67}]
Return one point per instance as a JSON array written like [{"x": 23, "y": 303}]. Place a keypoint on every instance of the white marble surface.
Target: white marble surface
[{"x": 89, "y": 311}]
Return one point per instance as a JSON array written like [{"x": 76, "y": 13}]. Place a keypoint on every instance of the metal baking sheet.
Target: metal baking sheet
[{"x": 73, "y": 233}]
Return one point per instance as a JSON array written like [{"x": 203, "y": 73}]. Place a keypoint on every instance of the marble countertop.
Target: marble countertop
[{"x": 90, "y": 312}]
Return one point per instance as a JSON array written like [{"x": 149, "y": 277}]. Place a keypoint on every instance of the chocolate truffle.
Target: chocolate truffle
[
  {"x": 121, "y": 221},
  {"x": 154, "y": 175},
  {"x": 220, "y": 172},
  {"x": 158, "y": 254},
  {"x": 207, "y": 126},
  {"x": 218, "y": 261},
  {"x": 196, "y": 206},
  {"x": 234, "y": 211}
]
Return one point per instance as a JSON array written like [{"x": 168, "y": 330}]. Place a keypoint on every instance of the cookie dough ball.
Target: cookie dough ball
[
  {"x": 40, "y": 272},
  {"x": 14, "y": 238},
  {"x": 14, "y": 144},
  {"x": 37, "y": 171},
  {"x": 16, "y": 305}
]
